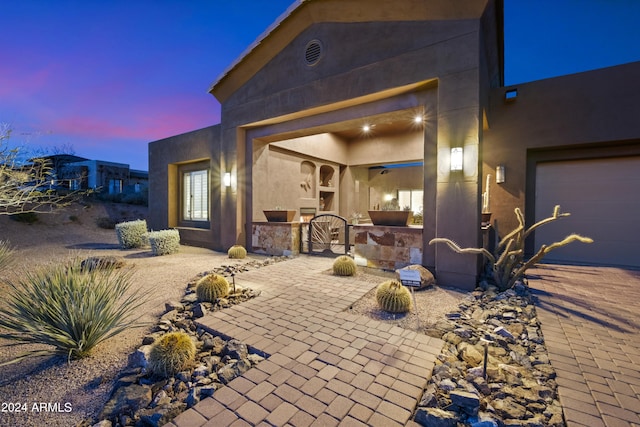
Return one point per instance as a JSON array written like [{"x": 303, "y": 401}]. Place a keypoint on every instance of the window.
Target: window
[
  {"x": 195, "y": 196},
  {"x": 115, "y": 186},
  {"x": 411, "y": 198}
]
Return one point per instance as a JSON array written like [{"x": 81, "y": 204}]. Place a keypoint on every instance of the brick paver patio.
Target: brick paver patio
[
  {"x": 591, "y": 324},
  {"x": 327, "y": 367}
]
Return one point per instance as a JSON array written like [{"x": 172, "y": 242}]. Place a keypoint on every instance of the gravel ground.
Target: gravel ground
[{"x": 430, "y": 304}]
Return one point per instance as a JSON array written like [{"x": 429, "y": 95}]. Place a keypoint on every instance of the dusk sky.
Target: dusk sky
[{"x": 107, "y": 77}]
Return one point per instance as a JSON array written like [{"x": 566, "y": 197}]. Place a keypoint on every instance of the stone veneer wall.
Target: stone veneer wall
[
  {"x": 387, "y": 248},
  {"x": 275, "y": 238}
]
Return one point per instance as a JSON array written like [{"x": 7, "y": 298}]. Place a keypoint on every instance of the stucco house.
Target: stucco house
[{"x": 343, "y": 104}]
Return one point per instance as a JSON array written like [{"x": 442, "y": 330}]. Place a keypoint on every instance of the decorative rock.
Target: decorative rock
[
  {"x": 434, "y": 417},
  {"x": 517, "y": 357},
  {"x": 503, "y": 332},
  {"x": 173, "y": 305},
  {"x": 103, "y": 423},
  {"x": 139, "y": 358},
  {"x": 469, "y": 403},
  {"x": 469, "y": 354},
  {"x": 192, "y": 397},
  {"x": 509, "y": 408},
  {"x": 199, "y": 310},
  {"x": 426, "y": 277},
  {"x": 484, "y": 420},
  {"x": 127, "y": 400},
  {"x": 236, "y": 349}
]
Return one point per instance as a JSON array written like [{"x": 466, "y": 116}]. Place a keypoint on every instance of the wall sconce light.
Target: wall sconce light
[
  {"x": 500, "y": 174},
  {"x": 226, "y": 179},
  {"x": 457, "y": 157}
]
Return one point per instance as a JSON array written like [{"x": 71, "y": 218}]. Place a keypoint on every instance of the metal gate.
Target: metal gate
[{"x": 327, "y": 234}]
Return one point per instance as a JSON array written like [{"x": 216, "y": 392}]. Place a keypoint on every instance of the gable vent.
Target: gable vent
[{"x": 313, "y": 52}]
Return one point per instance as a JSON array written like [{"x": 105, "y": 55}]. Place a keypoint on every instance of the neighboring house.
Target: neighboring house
[
  {"x": 426, "y": 76},
  {"x": 78, "y": 173}
]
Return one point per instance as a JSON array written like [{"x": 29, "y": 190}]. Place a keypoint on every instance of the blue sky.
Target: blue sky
[{"x": 107, "y": 77}]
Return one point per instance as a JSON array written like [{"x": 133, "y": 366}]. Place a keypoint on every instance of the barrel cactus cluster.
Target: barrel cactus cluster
[
  {"x": 237, "y": 252},
  {"x": 171, "y": 354},
  {"x": 393, "y": 297},
  {"x": 211, "y": 287},
  {"x": 344, "y": 266}
]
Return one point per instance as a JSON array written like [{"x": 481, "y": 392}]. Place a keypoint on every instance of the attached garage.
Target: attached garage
[{"x": 603, "y": 197}]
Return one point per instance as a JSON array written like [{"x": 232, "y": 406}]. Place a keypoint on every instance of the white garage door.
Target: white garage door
[{"x": 603, "y": 197}]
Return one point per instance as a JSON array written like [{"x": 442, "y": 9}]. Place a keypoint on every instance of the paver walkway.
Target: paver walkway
[
  {"x": 327, "y": 367},
  {"x": 591, "y": 324}
]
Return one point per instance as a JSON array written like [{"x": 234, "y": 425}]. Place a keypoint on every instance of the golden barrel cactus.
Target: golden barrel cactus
[
  {"x": 171, "y": 354},
  {"x": 211, "y": 287},
  {"x": 237, "y": 252},
  {"x": 393, "y": 297},
  {"x": 344, "y": 266}
]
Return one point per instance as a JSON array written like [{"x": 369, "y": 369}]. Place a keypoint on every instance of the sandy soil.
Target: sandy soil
[{"x": 82, "y": 386}]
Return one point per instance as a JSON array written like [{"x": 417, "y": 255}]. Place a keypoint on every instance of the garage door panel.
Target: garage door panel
[{"x": 603, "y": 197}]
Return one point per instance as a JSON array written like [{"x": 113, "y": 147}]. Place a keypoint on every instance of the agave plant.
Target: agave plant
[
  {"x": 6, "y": 253},
  {"x": 68, "y": 307}
]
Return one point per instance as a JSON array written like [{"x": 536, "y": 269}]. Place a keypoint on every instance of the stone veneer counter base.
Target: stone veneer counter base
[{"x": 387, "y": 247}]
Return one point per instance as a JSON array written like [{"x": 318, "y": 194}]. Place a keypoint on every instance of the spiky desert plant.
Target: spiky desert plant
[
  {"x": 132, "y": 234},
  {"x": 237, "y": 252},
  {"x": 69, "y": 307},
  {"x": 507, "y": 262},
  {"x": 393, "y": 297},
  {"x": 211, "y": 287},
  {"x": 172, "y": 353},
  {"x": 6, "y": 254},
  {"x": 344, "y": 266}
]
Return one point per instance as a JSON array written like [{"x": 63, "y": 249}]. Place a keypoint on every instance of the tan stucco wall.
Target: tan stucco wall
[
  {"x": 586, "y": 115},
  {"x": 166, "y": 156}
]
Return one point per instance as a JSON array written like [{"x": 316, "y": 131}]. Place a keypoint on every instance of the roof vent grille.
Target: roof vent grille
[{"x": 313, "y": 52}]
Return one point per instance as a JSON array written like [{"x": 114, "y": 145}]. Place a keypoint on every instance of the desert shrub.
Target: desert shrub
[
  {"x": 132, "y": 234},
  {"x": 106, "y": 223},
  {"x": 6, "y": 254},
  {"x": 172, "y": 353},
  {"x": 393, "y": 297},
  {"x": 141, "y": 198},
  {"x": 68, "y": 307},
  {"x": 237, "y": 252},
  {"x": 164, "y": 242},
  {"x": 25, "y": 217},
  {"x": 344, "y": 266},
  {"x": 211, "y": 287}
]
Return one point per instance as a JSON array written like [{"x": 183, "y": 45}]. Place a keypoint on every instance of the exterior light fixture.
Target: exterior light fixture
[
  {"x": 457, "y": 157},
  {"x": 226, "y": 179},
  {"x": 500, "y": 174},
  {"x": 366, "y": 128},
  {"x": 417, "y": 119}
]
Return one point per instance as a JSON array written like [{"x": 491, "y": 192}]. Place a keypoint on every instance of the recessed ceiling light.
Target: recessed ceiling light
[
  {"x": 417, "y": 119},
  {"x": 366, "y": 128}
]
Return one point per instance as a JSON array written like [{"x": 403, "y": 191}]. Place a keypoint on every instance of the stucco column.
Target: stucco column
[{"x": 458, "y": 193}]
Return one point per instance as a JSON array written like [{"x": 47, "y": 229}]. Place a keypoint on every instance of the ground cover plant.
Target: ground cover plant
[{"x": 68, "y": 307}]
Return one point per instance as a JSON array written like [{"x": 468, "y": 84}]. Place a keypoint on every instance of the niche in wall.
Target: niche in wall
[{"x": 307, "y": 180}]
